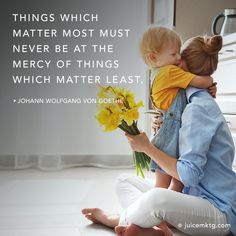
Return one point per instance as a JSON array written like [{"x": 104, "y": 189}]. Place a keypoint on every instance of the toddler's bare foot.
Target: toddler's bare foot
[
  {"x": 134, "y": 230},
  {"x": 98, "y": 216}
]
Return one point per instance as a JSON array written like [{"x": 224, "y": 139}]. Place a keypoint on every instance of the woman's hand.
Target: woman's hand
[
  {"x": 139, "y": 142},
  {"x": 213, "y": 89}
]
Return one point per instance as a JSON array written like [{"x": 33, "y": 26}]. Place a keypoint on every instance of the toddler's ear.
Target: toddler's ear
[{"x": 152, "y": 56}]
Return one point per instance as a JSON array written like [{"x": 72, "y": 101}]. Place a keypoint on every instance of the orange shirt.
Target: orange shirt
[{"x": 166, "y": 85}]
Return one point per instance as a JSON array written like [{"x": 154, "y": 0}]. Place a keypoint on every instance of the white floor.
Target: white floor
[{"x": 36, "y": 203}]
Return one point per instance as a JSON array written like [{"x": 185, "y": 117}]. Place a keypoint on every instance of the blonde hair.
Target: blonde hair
[
  {"x": 155, "y": 39},
  {"x": 201, "y": 54}
]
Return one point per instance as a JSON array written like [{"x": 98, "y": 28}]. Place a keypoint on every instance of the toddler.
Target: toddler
[{"x": 160, "y": 49}]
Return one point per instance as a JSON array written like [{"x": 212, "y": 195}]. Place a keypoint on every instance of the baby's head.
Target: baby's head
[
  {"x": 160, "y": 46},
  {"x": 200, "y": 54}
]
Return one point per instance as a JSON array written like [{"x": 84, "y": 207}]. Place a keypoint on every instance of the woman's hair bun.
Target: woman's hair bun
[{"x": 212, "y": 45}]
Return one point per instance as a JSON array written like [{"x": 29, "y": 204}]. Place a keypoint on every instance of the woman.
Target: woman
[{"x": 208, "y": 204}]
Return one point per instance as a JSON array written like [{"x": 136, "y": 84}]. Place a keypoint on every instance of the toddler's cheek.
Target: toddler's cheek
[
  {"x": 180, "y": 64},
  {"x": 183, "y": 65}
]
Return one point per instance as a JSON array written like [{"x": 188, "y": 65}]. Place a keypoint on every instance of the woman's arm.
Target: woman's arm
[
  {"x": 141, "y": 143},
  {"x": 195, "y": 140}
]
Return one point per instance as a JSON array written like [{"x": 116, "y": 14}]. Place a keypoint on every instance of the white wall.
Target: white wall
[{"x": 69, "y": 129}]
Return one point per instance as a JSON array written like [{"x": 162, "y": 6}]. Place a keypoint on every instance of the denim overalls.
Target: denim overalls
[{"x": 167, "y": 137}]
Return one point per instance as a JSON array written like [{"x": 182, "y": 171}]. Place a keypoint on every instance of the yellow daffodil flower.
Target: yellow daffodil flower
[
  {"x": 131, "y": 115},
  {"x": 123, "y": 114}
]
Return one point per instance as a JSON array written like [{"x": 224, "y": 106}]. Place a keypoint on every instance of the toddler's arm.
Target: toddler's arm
[{"x": 201, "y": 81}]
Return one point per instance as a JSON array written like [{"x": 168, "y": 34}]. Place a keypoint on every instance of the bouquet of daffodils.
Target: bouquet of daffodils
[{"x": 122, "y": 113}]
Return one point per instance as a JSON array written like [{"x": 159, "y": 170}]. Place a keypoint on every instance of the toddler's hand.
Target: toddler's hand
[
  {"x": 213, "y": 89},
  {"x": 156, "y": 122}
]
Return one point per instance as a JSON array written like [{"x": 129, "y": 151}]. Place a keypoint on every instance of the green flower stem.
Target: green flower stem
[
  {"x": 140, "y": 170},
  {"x": 135, "y": 162},
  {"x": 141, "y": 160},
  {"x": 132, "y": 130},
  {"x": 135, "y": 125},
  {"x": 147, "y": 161},
  {"x": 125, "y": 129}
]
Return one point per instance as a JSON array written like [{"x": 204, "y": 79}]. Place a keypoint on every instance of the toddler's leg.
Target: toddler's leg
[
  {"x": 176, "y": 185},
  {"x": 162, "y": 180}
]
